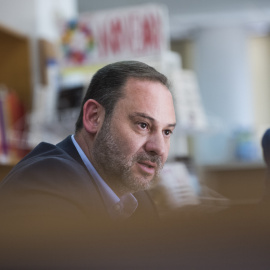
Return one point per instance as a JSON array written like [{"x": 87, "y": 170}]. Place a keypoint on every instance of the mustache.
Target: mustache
[{"x": 146, "y": 157}]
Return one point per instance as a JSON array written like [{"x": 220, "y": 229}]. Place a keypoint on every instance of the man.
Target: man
[{"x": 121, "y": 142}]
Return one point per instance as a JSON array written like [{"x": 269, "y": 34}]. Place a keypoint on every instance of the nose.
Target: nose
[{"x": 156, "y": 145}]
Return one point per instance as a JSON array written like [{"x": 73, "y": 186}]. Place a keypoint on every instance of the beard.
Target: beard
[{"x": 116, "y": 168}]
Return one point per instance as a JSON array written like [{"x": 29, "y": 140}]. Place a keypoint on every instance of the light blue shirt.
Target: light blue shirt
[{"x": 118, "y": 208}]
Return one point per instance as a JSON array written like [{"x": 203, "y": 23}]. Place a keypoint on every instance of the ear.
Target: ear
[{"x": 93, "y": 116}]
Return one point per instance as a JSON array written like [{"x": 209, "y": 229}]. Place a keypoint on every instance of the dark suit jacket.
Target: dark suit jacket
[
  {"x": 52, "y": 214},
  {"x": 52, "y": 185}
]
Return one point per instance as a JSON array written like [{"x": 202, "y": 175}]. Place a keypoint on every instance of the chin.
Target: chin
[{"x": 141, "y": 183}]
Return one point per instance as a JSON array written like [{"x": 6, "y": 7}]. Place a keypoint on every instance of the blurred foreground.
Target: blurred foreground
[{"x": 235, "y": 238}]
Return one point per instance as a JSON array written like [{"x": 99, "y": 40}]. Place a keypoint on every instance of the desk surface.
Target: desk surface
[
  {"x": 234, "y": 165},
  {"x": 241, "y": 182}
]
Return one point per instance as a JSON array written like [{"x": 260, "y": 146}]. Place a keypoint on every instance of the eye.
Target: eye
[
  {"x": 143, "y": 125},
  {"x": 168, "y": 132}
]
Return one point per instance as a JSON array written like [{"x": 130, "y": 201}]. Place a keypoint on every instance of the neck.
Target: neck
[
  {"x": 86, "y": 144},
  {"x": 85, "y": 141}
]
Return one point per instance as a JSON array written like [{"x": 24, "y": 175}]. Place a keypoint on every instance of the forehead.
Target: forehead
[{"x": 146, "y": 96}]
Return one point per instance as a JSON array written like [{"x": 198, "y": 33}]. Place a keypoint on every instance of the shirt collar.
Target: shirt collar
[{"x": 118, "y": 208}]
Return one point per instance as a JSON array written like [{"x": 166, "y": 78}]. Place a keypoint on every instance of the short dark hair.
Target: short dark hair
[{"x": 106, "y": 86}]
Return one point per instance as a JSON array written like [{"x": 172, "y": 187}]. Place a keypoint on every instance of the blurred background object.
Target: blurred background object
[{"x": 216, "y": 55}]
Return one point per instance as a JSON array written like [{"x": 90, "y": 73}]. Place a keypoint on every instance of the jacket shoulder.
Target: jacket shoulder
[{"x": 48, "y": 176}]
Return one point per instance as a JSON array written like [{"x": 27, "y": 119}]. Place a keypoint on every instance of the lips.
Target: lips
[{"x": 147, "y": 166}]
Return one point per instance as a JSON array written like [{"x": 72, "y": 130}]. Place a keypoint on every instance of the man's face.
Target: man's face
[{"x": 133, "y": 144}]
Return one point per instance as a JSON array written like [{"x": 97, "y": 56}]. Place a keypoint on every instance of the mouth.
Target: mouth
[{"x": 147, "y": 166}]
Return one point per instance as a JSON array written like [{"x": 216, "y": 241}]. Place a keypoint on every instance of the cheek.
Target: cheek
[
  {"x": 129, "y": 142},
  {"x": 130, "y": 145},
  {"x": 166, "y": 153}
]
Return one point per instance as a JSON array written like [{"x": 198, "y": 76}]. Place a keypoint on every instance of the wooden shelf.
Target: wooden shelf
[
  {"x": 15, "y": 66},
  {"x": 15, "y": 71}
]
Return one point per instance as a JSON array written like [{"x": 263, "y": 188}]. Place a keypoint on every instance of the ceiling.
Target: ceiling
[
  {"x": 187, "y": 15},
  {"x": 180, "y": 6}
]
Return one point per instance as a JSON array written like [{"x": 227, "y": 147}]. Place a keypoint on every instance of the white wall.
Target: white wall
[
  {"x": 19, "y": 15},
  {"x": 36, "y": 18},
  {"x": 50, "y": 12}
]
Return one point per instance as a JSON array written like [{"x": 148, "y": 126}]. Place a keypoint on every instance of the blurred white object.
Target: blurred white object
[
  {"x": 175, "y": 189},
  {"x": 189, "y": 108}
]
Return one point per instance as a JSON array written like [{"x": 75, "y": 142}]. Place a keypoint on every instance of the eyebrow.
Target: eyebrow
[{"x": 147, "y": 117}]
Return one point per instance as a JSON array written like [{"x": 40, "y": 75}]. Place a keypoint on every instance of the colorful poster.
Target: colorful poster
[{"x": 115, "y": 34}]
